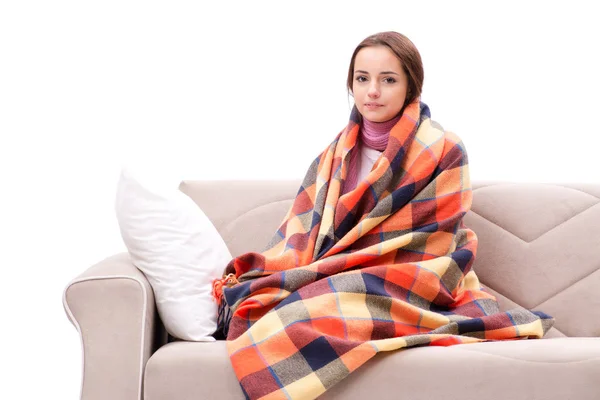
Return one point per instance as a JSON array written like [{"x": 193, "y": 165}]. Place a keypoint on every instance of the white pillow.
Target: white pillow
[{"x": 177, "y": 248}]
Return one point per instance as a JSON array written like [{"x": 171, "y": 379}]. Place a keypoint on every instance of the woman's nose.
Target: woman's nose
[{"x": 373, "y": 91}]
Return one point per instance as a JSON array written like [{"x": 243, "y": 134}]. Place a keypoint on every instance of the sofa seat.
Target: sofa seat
[{"x": 556, "y": 368}]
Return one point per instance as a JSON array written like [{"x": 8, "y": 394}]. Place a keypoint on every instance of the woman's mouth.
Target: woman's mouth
[{"x": 373, "y": 106}]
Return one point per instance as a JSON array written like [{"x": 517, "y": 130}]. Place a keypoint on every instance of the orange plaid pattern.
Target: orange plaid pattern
[{"x": 383, "y": 267}]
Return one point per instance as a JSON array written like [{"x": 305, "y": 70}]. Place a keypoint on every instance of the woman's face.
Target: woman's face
[{"x": 380, "y": 83}]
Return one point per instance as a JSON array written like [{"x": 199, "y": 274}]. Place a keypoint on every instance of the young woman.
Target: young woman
[
  {"x": 385, "y": 75},
  {"x": 373, "y": 255}
]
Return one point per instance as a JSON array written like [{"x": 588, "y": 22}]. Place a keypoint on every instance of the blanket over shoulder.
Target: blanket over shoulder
[{"x": 383, "y": 267}]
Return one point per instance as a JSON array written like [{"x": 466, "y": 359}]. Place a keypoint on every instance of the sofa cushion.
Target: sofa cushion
[
  {"x": 175, "y": 245},
  {"x": 549, "y": 369},
  {"x": 539, "y": 246}
]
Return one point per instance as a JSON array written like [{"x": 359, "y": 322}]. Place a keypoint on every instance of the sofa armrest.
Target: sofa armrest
[{"x": 112, "y": 306}]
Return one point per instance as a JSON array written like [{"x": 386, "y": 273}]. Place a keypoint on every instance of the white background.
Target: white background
[{"x": 246, "y": 90}]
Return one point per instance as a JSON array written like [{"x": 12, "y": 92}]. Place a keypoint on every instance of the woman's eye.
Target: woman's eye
[
  {"x": 389, "y": 80},
  {"x": 361, "y": 78}
]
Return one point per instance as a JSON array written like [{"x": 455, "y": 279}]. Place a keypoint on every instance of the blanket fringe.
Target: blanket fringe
[{"x": 223, "y": 312}]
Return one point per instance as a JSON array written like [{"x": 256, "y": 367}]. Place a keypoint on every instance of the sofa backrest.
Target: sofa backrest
[{"x": 539, "y": 244}]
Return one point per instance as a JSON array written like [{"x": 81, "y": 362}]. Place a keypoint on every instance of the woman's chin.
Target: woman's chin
[{"x": 375, "y": 115}]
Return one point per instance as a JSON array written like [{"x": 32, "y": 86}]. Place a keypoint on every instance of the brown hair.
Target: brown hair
[{"x": 406, "y": 52}]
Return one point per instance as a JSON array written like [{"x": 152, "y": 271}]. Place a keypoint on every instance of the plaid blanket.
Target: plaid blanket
[{"x": 383, "y": 267}]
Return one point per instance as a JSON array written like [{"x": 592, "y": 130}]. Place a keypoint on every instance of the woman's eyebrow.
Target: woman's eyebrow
[{"x": 360, "y": 71}]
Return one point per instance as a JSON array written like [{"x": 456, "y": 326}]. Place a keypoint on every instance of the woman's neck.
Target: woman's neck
[{"x": 376, "y": 134}]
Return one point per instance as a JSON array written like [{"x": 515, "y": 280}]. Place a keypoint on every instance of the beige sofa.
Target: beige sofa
[{"x": 539, "y": 248}]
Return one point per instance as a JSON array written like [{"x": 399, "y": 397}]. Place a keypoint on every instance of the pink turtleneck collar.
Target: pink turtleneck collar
[{"x": 376, "y": 134}]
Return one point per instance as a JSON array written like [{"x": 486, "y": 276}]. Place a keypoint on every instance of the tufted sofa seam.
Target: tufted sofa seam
[
  {"x": 568, "y": 287},
  {"x": 503, "y": 229},
  {"x": 537, "y": 238},
  {"x": 564, "y": 222}
]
